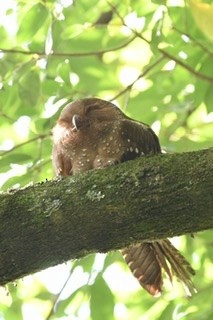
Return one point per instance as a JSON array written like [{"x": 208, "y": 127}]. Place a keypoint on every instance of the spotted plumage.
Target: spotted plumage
[{"x": 93, "y": 134}]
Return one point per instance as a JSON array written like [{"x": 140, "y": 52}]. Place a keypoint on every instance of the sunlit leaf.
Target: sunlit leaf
[
  {"x": 32, "y": 21},
  {"x": 86, "y": 262},
  {"x": 203, "y": 15},
  {"x": 71, "y": 302},
  {"x": 16, "y": 181}
]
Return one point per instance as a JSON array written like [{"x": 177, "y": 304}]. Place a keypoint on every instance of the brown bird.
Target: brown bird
[{"x": 93, "y": 134}]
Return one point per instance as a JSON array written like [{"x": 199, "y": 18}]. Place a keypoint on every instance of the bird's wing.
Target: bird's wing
[{"x": 141, "y": 139}]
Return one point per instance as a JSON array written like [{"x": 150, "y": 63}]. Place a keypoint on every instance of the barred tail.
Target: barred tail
[{"x": 147, "y": 260}]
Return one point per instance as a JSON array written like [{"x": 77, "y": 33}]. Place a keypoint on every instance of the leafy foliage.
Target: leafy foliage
[{"x": 151, "y": 59}]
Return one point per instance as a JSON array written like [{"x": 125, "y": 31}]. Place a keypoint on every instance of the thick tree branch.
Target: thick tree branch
[{"x": 149, "y": 198}]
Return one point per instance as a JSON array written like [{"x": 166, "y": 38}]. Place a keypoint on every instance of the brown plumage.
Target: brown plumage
[{"x": 93, "y": 134}]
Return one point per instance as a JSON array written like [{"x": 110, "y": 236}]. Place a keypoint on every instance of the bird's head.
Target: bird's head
[{"x": 85, "y": 113}]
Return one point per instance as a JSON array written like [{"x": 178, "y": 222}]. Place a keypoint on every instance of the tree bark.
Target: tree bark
[{"x": 149, "y": 198}]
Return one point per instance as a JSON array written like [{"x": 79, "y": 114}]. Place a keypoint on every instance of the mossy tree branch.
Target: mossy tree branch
[{"x": 149, "y": 198}]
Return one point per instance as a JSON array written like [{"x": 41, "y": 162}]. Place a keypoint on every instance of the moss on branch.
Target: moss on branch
[{"x": 149, "y": 198}]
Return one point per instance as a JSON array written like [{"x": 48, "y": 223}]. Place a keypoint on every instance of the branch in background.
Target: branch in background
[
  {"x": 143, "y": 74},
  {"x": 69, "y": 54},
  {"x": 100, "y": 52},
  {"x": 39, "y": 137},
  {"x": 186, "y": 66},
  {"x": 195, "y": 41},
  {"x": 3, "y": 114},
  {"x": 165, "y": 53}
]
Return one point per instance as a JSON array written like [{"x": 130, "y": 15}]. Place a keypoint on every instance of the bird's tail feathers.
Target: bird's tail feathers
[{"x": 146, "y": 261}]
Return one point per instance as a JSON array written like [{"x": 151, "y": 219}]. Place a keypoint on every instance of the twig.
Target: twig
[
  {"x": 68, "y": 54},
  {"x": 197, "y": 43},
  {"x": 186, "y": 66},
  {"x": 147, "y": 69},
  {"x": 165, "y": 53},
  {"x": 3, "y": 114},
  {"x": 40, "y": 137},
  {"x": 57, "y": 296},
  {"x": 37, "y": 166}
]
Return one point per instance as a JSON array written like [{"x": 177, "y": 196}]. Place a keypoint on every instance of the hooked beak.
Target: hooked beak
[{"x": 77, "y": 122}]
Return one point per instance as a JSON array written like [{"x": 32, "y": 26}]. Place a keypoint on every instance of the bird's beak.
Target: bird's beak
[{"x": 77, "y": 122}]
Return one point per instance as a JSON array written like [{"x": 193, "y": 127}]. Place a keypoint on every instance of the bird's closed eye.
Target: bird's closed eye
[
  {"x": 92, "y": 107},
  {"x": 100, "y": 107}
]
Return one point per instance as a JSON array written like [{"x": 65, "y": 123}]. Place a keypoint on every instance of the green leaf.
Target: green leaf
[
  {"x": 21, "y": 180},
  {"x": 14, "y": 158},
  {"x": 86, "y": 262},
  {"x": 160, "y": 2},
  {"x": 64, "y": 72},
  {"x": 29, "y": 88},
  {"x": 23, "y": 69},
  {"x": 200, "y": 92},
  {"x": 206, "y": 67},
  {"x": 209, "y": 99},
  {"x": 157, "y": 37},
  {"x": 111, "y": 257},
  {"x": 167, "y": 312},
  {"x": 102, "y": 300},
  {"x": 73, "y": 301},
  {"x": 32, "y": 21}
]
